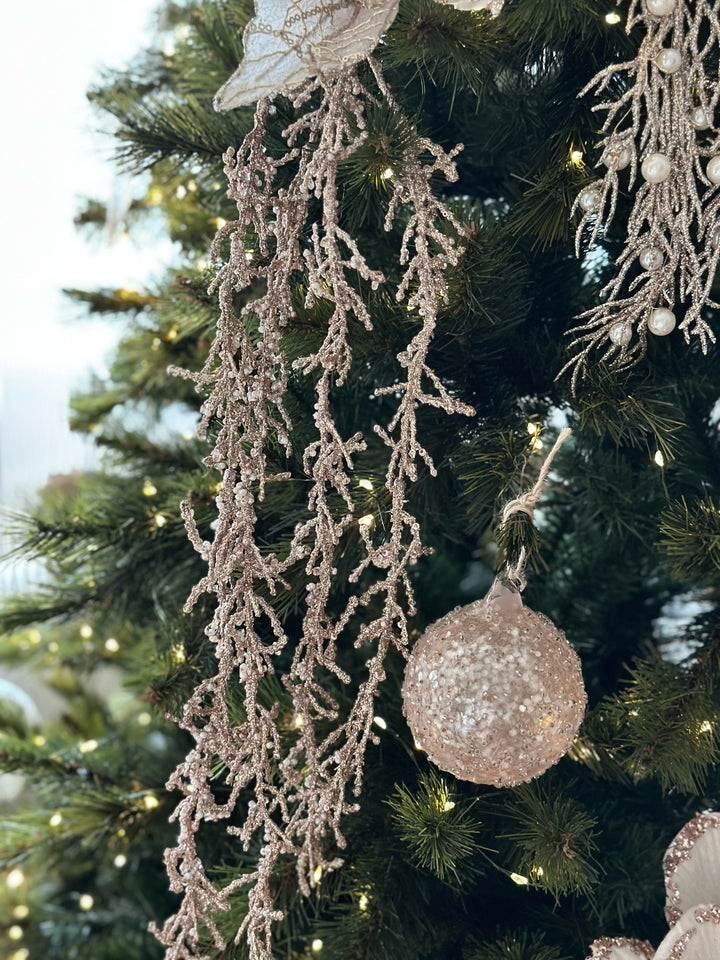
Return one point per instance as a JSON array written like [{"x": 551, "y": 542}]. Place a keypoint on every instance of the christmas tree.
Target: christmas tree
[{"x": 382, "y": 325}]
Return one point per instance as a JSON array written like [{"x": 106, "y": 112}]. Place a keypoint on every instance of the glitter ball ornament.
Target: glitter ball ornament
[
  {"x": 661, "y": 321},
  {"x": 493, "y": 692}
]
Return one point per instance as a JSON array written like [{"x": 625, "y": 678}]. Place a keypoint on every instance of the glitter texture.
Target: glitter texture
[
  {"x": 672, "y": 247},
  {"x": 493, "y": 692},
  {"x": 301, "y": 786},
  {"x": 286, "y": 43},
  {"x": 691, "y": 866},
  {"x": 695, "y": 936},
  {"x": 620, "y": 948}
]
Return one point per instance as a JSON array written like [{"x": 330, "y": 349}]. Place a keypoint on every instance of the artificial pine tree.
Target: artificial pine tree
[{"x": 623, "y": 554}]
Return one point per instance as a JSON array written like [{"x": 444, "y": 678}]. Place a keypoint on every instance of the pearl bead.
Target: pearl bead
[
  {"x": 661, "y": 321},
  {"x": 669, "y": 60},
  {"x": 651, "y": 258},
  {"x": 620, "y": 333},
  {"x": 713, "y": 169},
  {"x": 590, "y": 199},
  {"x": 715, "y": 235},
  {"x": 700, "y": 119},
  {"x": 655, "y": 168},
  {"x": 617, "y": 156},
  {"x": 659, "y": 8}
]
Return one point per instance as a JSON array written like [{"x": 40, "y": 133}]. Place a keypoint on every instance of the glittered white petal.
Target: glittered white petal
[
  {"x": 691, "y": 866},
  {"x": 494, "y": 6},
  {"x": 695, "y": 936},
  {"x": 287, "y": 42},
  {"x": 620, "y": 948}
]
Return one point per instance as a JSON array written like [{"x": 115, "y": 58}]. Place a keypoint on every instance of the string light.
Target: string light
[
  {"x": 576, "y": 156},
  {"x": 178, "y": 652},
  {"x": 160, "y": 520},
  {"x": 388, "y": 173},
  {"x": 363, "y": 902},
  {"x": 87, "y": 746},
  {"x": 706, "y": 727},
  {"x": 448, "y": 805},
  {"x": 519, "y": 879},
  {"x": 219, "y": 222},
  {"x": 298, "y": 722},
  {"x": 144, "y": 719},
  {"x": 181, "y": 192},
  {"x": 15, "y": 932},
  {"x": 22, "y": 954},
  {"x": 111, "y": 645},
  {"x": 55, "y": 820},
  {"x": 21, "y": 911},
  {"x": 86, "y": 901},
  {"x": 367, "y": 521},
  {"x": 120, "y": 860},
  {"x": 150, "y": 801},
  {"x": 366, "y": 484},
  {"x": 316, "y": 945},
  {"x": 15, "y": 879},
  {"x": 612, "y": 18},
  {"x": 86, "y": 631},
  {"x": 39, "y": 740},
  {"x": 148, "y": 488},
  {"x": 317, "y": 875},
  {"x": 532, "y": 428},
  {"x": 659, "y": 458},
  {"x": 379, "y": 722}
]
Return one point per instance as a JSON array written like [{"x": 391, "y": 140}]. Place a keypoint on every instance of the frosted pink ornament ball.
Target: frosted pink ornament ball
[{"x": 493, "y": 692}]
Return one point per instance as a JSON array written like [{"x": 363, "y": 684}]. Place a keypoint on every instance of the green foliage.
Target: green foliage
[
  {"x": 555, "y": 839},
  {"x": 518, "y": 945},
  {"x": 440, "y": 829},
  {"x": 691, "y": 539}
]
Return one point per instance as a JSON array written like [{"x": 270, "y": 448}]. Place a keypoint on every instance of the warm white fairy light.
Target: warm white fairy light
[
  {"x": 111, "y": 645},
  {"x": 22, "y": 954},
  {"x": 120, "y": 860},
  {"x": 55, "y": 820},
  {"x": 148, "y": 488},
  {"x": 367, "y": 521},
  {"x": 15, "y": 879},
  {"x": 39, "y": 740},
  {"x": 15, "y": 932},
  {"x": 317, "y": 945},
  {"x": 87, "y": 746},
  {"x": 388, "y": 173},
  {"x": 144, "y": 719},
  {"x": 317, "y": 874},
  {"x": 160, "y": 520},
  {"x": 659, "y": 458},
  {"x": 366, "y": 484},
  {"x": 21, "y": 911},
  {"x": 86, "y": 901},
  {"x": 576, "y": 156},
  {"x": 612, "y": 18},
  {"x": 363, "y": 903},
  {"x": 150, "y": 801},
  {"x": 86, "y": 631},
  {"x": 380, "y": 722},
  {"x": 519, "y": 879}
]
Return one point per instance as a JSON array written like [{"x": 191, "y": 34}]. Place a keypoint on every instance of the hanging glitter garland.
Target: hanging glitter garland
[
  {"x": 300, "y": 793},
  {"x": 660, "y": 125}
]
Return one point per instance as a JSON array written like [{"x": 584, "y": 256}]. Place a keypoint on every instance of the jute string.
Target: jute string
[{"x": 526, "y": 503}]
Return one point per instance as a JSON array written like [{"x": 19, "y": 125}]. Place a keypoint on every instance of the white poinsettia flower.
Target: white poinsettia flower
[
  {"x": 691, "y": 866},
  {"x": 289, "y": 41},
  {"x": 695, "y": 936},
  {"x": 620, "y": 948}
]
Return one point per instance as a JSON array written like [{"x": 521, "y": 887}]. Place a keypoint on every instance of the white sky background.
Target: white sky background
[{"x": 50, "y": 53}]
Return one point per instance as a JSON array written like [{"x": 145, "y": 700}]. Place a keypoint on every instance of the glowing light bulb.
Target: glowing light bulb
[
  {"x": 178, "y": 652},
  {"x": 150, "y": 801},
  {"x": 15, "y": 932},
  {"x": 367, "y": 521},
  {"x": 448, "y": 805},
  {"x": 379, "y": 722},
  {"x": 86, "y": 901},
  {"x": 316, "y": 945},
  {"x": 612, "y": 18},
  {"x": 39, "y": 740},
  {"x": 160, "y": 520},
  {"x": 144, "y": 719},
  {"x": 21, "y": 911},
  {"x": 111, "y": 645},
  {"x": 120, "y": 860},
  {"x": 148, "y": 488},
  {"x": 22, "y": 954},
  {"x": 86, "y": 631},
  {"x": 388, "y": 173},
  {"x": 519, "y": 879},
  {"x": 317, "y": 875},
  {"x": 219, "y": 222},
  {"x": 363, "y": 903},
  {"x": 15, "y": 879},
  {"x": 181, "y": 192},
  {"x": 365, "y": 484},
  {"x": 87, "y": 746},
  {"x": 298, "y": 722},
  {"x": 55, "y": 820},
  {"x": 155, "y": 196},
  {"x": 532, "y": 428},
  {"x": 576, "y": 156},
  {"x": 659, "y": 458},
  {"x": 706, "y": 726}
]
